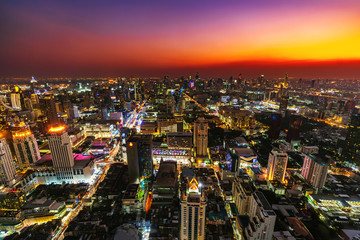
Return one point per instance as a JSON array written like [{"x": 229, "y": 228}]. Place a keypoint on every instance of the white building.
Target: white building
[
  {"x": 315, "y": 171},
  {"x": 61, "y": 152},
  {"x": 201, "y": 136},
  {"x": 193, "y": 210},
  {"x": 26, "y": 148},
  {"x": 242, "y": 194},
  {"x": 262, "y": 218},
  {"x": 277, "y": 165},
  {"x": 7, "y": 169},
  {"x": 15, "y": 100}
]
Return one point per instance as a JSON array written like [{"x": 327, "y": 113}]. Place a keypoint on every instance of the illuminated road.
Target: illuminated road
[
  {"x": 135, "y": 118},
  {"x": 205, "y": 109}
]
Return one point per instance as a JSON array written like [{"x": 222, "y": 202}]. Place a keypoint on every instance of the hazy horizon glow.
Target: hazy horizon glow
[{"x": 56, "y": 38}]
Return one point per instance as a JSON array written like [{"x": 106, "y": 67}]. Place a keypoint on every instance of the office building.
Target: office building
[
  {"x": 201, "y": 136},
  {"x": 26, "y": 148},
  {"x": 242, "y": 192},
  {"x": 7, "y": 169},
  {"x": 16, "y": 100},
  {"x": 275, "y": 126},
  {"x": 315, "y": 170},
  {"x": 293, "y": 133},
  {"x": 352, "y": 143},
  {"x": 277, "y": 165},
  {"x": 165, "y": 185},
  {"x": 49, "y": 109},
  {"x": 259, "y": 223},
  {"x": 139, "y": 157},
  {"x": 284, "y": 100},
  {"x": 61, "y": 152},
  {"x": 193, "y": 213}
]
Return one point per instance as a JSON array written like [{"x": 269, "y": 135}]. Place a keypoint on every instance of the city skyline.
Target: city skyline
[{"x": 317, "y": 39}]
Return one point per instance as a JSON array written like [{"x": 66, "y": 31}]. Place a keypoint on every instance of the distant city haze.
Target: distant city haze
[{"x": 314, "y": 39}]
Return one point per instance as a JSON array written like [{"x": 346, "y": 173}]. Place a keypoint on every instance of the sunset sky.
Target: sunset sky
[{"x": 308, "y": 38}]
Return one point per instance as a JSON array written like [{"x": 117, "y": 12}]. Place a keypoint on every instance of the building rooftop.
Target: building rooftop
[{"x": 167, "y": 175}]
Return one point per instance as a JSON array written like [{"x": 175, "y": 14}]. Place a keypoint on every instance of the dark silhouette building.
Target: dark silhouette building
[
  {"x": 352, "y": 143},
  {"x": 139, "y": 157},
  {"x": 294, "y": 128},
  {"x": 275, "y": 125}
]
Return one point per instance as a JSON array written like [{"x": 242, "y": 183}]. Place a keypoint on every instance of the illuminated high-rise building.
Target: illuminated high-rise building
[
  {"x": 26, "y": 148},
  {"x": 61, "y": 152},
  {"x": 315, "y": 170},
  {"x": 352, "y": 142},
  {"x": 193, "y": 213},
  {"x": 139, "y": 157},
  {"x": 201, "y": 136},
  {"x": 16, "y": 100},
  {"x": 277, "y": 165},
  {"x": 7, "y": 166}
]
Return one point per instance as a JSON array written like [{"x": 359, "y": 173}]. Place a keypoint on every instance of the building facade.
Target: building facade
[
  {"x": 7, "y": 169},
  {"x": 352, "y": 143},
  {"x": 139, "y": 157},
  {"x": 61, "y": 151},
  {"x": 193, "y": 213},
  {"x": 201, "y": 136},
  {"x": 277, "y": 165},
  {"x": 315, "y": 171},
  {"x": 26, "y": 148}
]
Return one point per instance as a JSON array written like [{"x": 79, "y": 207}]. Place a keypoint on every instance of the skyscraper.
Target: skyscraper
[
  {"x": 139, "y": 157},
  {"x": 277, "y": 165},
  {"x": 26, "y": 148},
  {"x": 294, "y": 128},
  {"x": 315, "y": 170},
  {"x": 201, "y": 136},
  {"x": 193, "y": 210},
  {"x": 283, "y": 96},
  {"x": 16, "y": 99},
  {"x": 7, "y": 166},
  {"x": 275, "y": 125},
  {"x": 352, "y": 143},
  {"x": 61, "y": 153},
  {"x": 49, "y": 107}
]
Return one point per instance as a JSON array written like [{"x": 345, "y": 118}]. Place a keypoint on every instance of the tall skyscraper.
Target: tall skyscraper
[
  {"x": 294, "y": 128},
  {"x": 49, "y": 109},
  {"x": 277, "y": 165},
  {"x": 201, "y": 136},
  {"x": 139, "y": 157},
  {"x": 352, "y": 143},
  {"x": 275, "y": 126},
  {"x": 315, "y": 170},
  {"x": 61, "y": 153},
  {"x": 193, "y": 210},
  {"x": 26, "y": 148},
  {"x": 7, "y": 166},
  {"x": 15, "y": 100}
]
